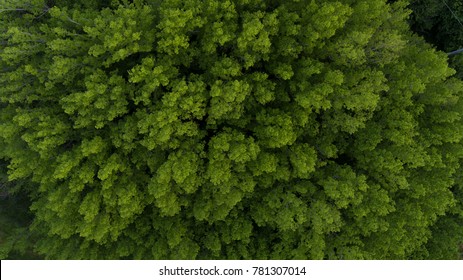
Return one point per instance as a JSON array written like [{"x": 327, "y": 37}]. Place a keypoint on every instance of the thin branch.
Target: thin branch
[
  {"x": 454, "y": 15},
  {"x": 9, "y": 10},
  {"x": 46, "y": 10},
  {"x": 461, "y": 24},
  {"x": 455, "y": 52},
  {"x": 71, "y": 20}
]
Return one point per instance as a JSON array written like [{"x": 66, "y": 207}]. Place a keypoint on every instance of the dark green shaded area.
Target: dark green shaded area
[
  {"x": 440, "y": 22},
  {"x": 16, "y": 241}
]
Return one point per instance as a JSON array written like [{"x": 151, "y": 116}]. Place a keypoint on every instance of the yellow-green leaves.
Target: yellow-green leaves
[
  {"x": 275, "y": 129},
  {"x": 173, "y": 26},
  {"x": 227, "y": 100},
  {"x": 227, "y": 150},
  {"x": 282, "y": 209},
  {"x": 228, "y": 129},
  {"x": 303, "y": 159},
  {"x": 254, "y": 36},
  {"x": 344, "y": 187},
  {"x": 175, "y": 117},
  {"x": 104, "y": 99},
  {"x": 122, "y": 32}
]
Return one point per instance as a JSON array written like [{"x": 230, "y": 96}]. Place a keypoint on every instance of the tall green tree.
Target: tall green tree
[{"x": 229, "y": 129}]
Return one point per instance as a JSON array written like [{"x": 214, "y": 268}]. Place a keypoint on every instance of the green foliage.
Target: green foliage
[
  {"x": 16, "y": 241},
  {"x": 229, "y": 129},
  {"x": 438, "y": 22},
  {"x": 441, "y": 24}
]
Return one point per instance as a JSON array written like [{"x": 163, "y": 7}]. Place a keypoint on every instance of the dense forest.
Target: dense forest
[{"x": 231, "y": 129}]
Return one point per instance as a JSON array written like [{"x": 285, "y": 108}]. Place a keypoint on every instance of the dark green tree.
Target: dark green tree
[
  {"x": 440, "y": 22},
  {"x": 229, "y": 129}
]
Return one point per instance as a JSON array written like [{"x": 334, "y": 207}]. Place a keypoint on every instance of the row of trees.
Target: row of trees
[{"x": 253, "y": 129}]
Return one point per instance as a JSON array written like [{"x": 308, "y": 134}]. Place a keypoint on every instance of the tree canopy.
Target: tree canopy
[
  {"x": 236, "y": 129},
  {"x": 441, "y": 24}
]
